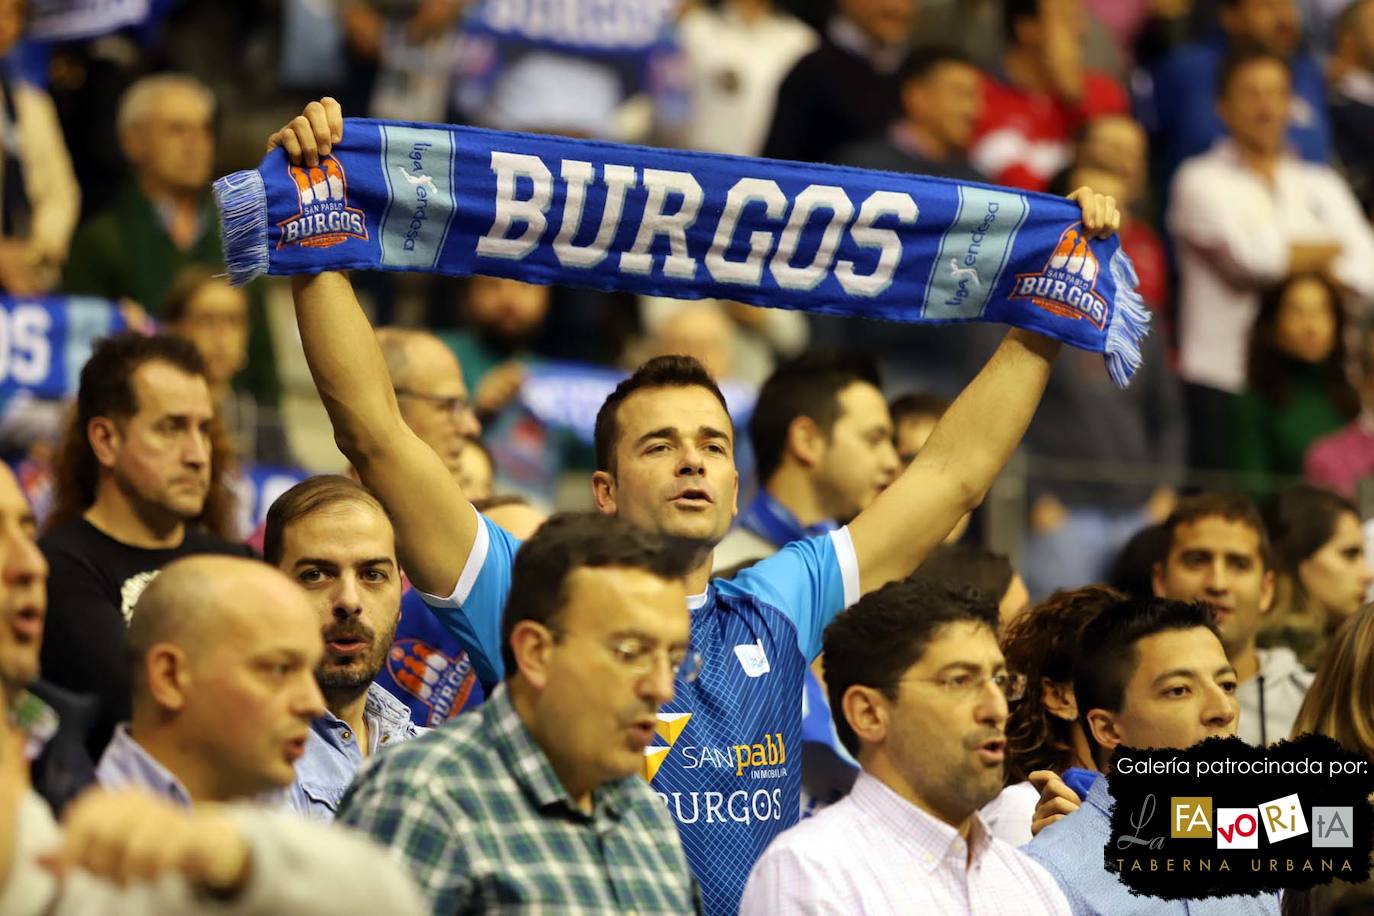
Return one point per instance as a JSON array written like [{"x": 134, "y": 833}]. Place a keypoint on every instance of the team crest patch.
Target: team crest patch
[
  {"x": 1068, "y": 285},
  {"x": 325, "y": 219}
]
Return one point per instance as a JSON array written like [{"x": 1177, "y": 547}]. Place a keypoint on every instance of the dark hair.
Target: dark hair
[
  {"x": 1300, "y": 519},
  {"x": 106, "y": 390},
  {"x": 183, "y": 289},
  {"x": 958, "y": 565},
  {"x": 918, "y": 404},
  {"x": 807, "y": 386},
  {"x": 1234, "y": 507},
  {"x": 659, "y": 372},
  {"x": 306, "y": 498},
  {"x": 1013, "y": 11},
  {"x": 1241, "y": 56},
  {"x": 880, "y": 637},
  {"x": 1133, "y": 570},
  {"x": 1041, "y": 644},
  {"x": 922, "y": 62},
  {"x": 1106, "y": 657},
  {"x": 575, "y": 540},
  {"x": 1268, "y": 367}
]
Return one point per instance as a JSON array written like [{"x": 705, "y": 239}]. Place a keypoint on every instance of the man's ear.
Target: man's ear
[
  {"x": 603, "y": 492},
  {"x": 805, "y": 441},
  {"x": 1105, "y": 730},
  {"x": 866, "y": 711},
  {"x": 1157, "y": 580},
  {"x": 1267, "y": 590},
  {"x": 168, "y": 676},
  {"x": 532, "y": 645},
  {"x": 104, "y": 437},
  {"x": 1058, "y": 698}
]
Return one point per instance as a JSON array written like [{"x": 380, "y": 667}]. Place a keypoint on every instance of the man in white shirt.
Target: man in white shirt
[
  {"x": 1244, "y": 216},
  {"x": 919, "y": 691}
]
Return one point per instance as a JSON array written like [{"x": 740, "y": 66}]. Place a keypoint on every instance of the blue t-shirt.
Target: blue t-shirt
[
  {"x": 727, "y": 759},
  {"x": 429, "y": 668}
]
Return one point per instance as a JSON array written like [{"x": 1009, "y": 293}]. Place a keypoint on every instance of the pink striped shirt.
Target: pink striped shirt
[{"x": 874, "y": 853}]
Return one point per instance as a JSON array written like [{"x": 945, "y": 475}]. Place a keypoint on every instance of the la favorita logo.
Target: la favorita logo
[{"x": 1238, "y": 819}]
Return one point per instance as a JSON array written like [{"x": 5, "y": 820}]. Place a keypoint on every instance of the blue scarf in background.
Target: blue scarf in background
[{"x": 819, "y": 238}]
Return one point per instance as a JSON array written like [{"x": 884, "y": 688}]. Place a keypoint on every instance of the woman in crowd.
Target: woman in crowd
[
  {"x": 1043, "y": 731},
  {"x": 1323, "y": 574},
  {"x": 1297, "y": 386},
  {"x": 1340, "y": 705},
  {"x": 203, "y": 308}
]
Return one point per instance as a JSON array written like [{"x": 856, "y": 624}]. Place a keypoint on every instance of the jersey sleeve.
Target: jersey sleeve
[
  {"x": 810, "y": 581},
  {"x": 473, "y": 610}
]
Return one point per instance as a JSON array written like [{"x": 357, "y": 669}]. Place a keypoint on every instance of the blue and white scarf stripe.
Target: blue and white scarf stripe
[{"x": 819, "y": 238}]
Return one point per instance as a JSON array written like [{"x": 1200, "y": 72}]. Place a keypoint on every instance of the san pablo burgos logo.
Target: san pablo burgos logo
[
  {"x": 1068, "y": 284},
  {"x": 323, "y": 218}
]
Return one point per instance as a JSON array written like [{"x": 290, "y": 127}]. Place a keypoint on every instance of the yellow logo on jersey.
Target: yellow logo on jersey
[{"x": 669, "y": 728}]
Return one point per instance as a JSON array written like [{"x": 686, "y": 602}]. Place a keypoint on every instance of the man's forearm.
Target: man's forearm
[
  {"x": 346, "y": 363},
  {"x": 967, "y": 450}
]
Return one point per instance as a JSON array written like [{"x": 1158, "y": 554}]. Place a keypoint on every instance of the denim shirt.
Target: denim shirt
[
  {"x": 1072, "y": 850},
  {"x": 332, "y": 756},
  {"x": 125, "y": 764}
]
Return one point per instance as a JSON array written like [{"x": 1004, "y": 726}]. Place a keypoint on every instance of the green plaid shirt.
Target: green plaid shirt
[{"x": 475, "y": 809}]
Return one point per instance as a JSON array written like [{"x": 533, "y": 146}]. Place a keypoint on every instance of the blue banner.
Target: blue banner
[
  {"x": 44, "y": 341},
  {"x": 258, "y": 487},
  {"x": 568, "y": 395},
  {"x": 68, "y": 20},
  {"x": 578, "y": 26}
]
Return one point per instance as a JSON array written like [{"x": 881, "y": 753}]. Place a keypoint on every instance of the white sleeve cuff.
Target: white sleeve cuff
[
  {"x": 477, "y": 558},
  {"x": 849, "y": 563}
]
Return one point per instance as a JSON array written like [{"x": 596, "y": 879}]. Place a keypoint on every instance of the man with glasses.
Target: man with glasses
[
  {"x": 920, "y": 695},
  {"x": 430, "y": 392},
  {"x": 535, "y": 802}
]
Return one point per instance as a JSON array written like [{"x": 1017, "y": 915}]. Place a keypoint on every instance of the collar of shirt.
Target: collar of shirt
[
  {"x": 527, "y": 762},
  {"x": 37, "y": 720},
  {"x": 125, "y": 763},
  {"x": 1100, "y": 797},
  {"x": 775, "y": 523},
  {"x": 1226, "y": 150},
  {"x": 845, "y": 33},
  {"x": 387, "y": 720},
  {"x": 930, "y": 840}
]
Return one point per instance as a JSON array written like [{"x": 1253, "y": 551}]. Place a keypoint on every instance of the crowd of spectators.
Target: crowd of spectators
[{"x": 453, "y": 646}]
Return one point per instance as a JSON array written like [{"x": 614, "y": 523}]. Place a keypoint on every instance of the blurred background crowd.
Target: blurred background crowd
[{"x": 1234, "y": 133}]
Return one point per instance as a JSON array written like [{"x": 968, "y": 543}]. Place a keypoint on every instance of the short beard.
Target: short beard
[{"x": 344, "y": 684}]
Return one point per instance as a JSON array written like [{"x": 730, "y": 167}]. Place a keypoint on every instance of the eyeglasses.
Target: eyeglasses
[
  {"x": 966, "y": 683},
  {"x": 456, "y": 405},
  {"x": 640, "y": 658}
]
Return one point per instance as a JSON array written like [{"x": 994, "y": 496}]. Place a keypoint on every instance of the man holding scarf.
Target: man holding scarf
[{"x": 666, "y": 464}]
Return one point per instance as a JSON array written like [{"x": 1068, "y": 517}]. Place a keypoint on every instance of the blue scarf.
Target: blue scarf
[
  {"x": 819, "y": 238},
  {"x": 775, "y": 523}
]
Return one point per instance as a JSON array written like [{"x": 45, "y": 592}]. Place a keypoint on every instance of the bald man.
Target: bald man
[{"x": 223, "y": 653}]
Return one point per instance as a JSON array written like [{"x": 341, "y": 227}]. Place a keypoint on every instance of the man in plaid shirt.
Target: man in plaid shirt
[{"x": 535, "y": 801}]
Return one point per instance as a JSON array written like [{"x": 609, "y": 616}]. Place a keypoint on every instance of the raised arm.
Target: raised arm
[
  {"x": 435, "y": 524},
  {"x": 969, "y": 447}
]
